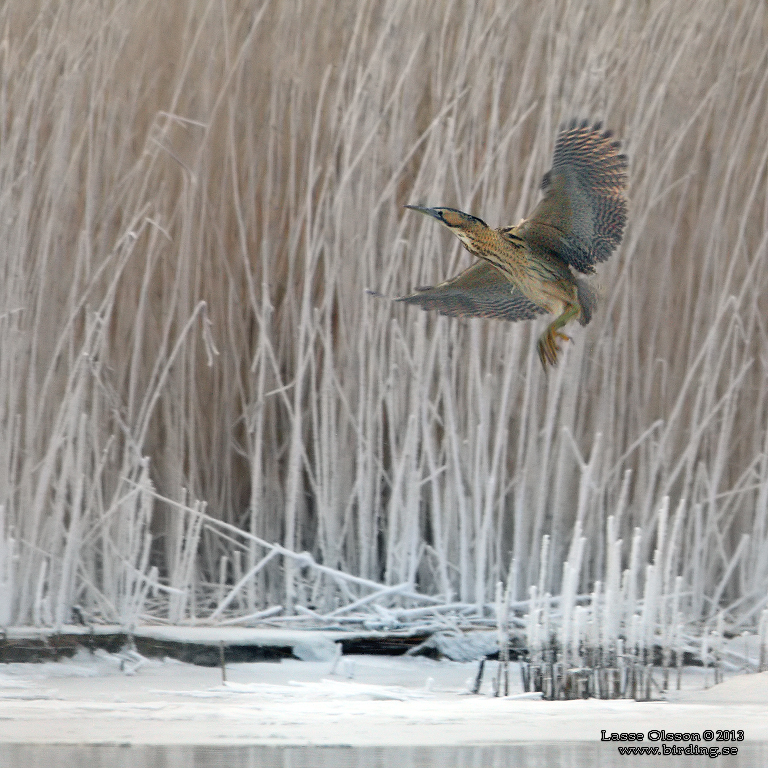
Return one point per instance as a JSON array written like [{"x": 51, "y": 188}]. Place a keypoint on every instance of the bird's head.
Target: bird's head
[
  {"x": 463, "y": 225},
  {"x": 451, "y": 217}
]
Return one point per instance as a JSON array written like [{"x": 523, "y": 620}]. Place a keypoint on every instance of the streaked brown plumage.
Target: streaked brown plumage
[{"x": 525, "y": 270}]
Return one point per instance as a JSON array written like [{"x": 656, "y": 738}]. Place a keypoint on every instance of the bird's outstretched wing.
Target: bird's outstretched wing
[
  {"x": 480, "y": 291},
  {"x": 582, "y": 216}
]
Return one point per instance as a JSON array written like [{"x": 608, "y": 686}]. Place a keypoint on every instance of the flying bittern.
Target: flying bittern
[{"x": 525, "y": 270}]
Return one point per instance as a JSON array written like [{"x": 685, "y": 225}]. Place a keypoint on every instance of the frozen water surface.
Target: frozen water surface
[{"x": 124, "y": 710}]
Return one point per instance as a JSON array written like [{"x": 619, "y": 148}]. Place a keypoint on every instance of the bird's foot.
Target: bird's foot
[{"x": 548, "y": 347}]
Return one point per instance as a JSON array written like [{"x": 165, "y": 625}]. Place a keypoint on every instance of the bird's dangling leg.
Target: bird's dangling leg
[{"x": 547, "y": 345}]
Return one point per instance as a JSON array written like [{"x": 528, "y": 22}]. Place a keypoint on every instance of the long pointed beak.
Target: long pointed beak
[{"x": 435, "y": 214}]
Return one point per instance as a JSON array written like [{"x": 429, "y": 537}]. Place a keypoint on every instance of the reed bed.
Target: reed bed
[{"x": 205, "y": 417}]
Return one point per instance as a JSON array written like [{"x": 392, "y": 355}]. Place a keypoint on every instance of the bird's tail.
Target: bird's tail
[{"x": 587, "y": 296}]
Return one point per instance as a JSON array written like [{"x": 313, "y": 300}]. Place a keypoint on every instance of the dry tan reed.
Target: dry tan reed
[{"x": 194, "y": 197}]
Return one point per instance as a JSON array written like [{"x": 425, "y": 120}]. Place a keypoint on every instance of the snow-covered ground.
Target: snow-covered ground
[{"x": 102, "y": 698}]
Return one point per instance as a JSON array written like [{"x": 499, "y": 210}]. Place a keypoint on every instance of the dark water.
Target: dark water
[{"x": 568, "y": 755}]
